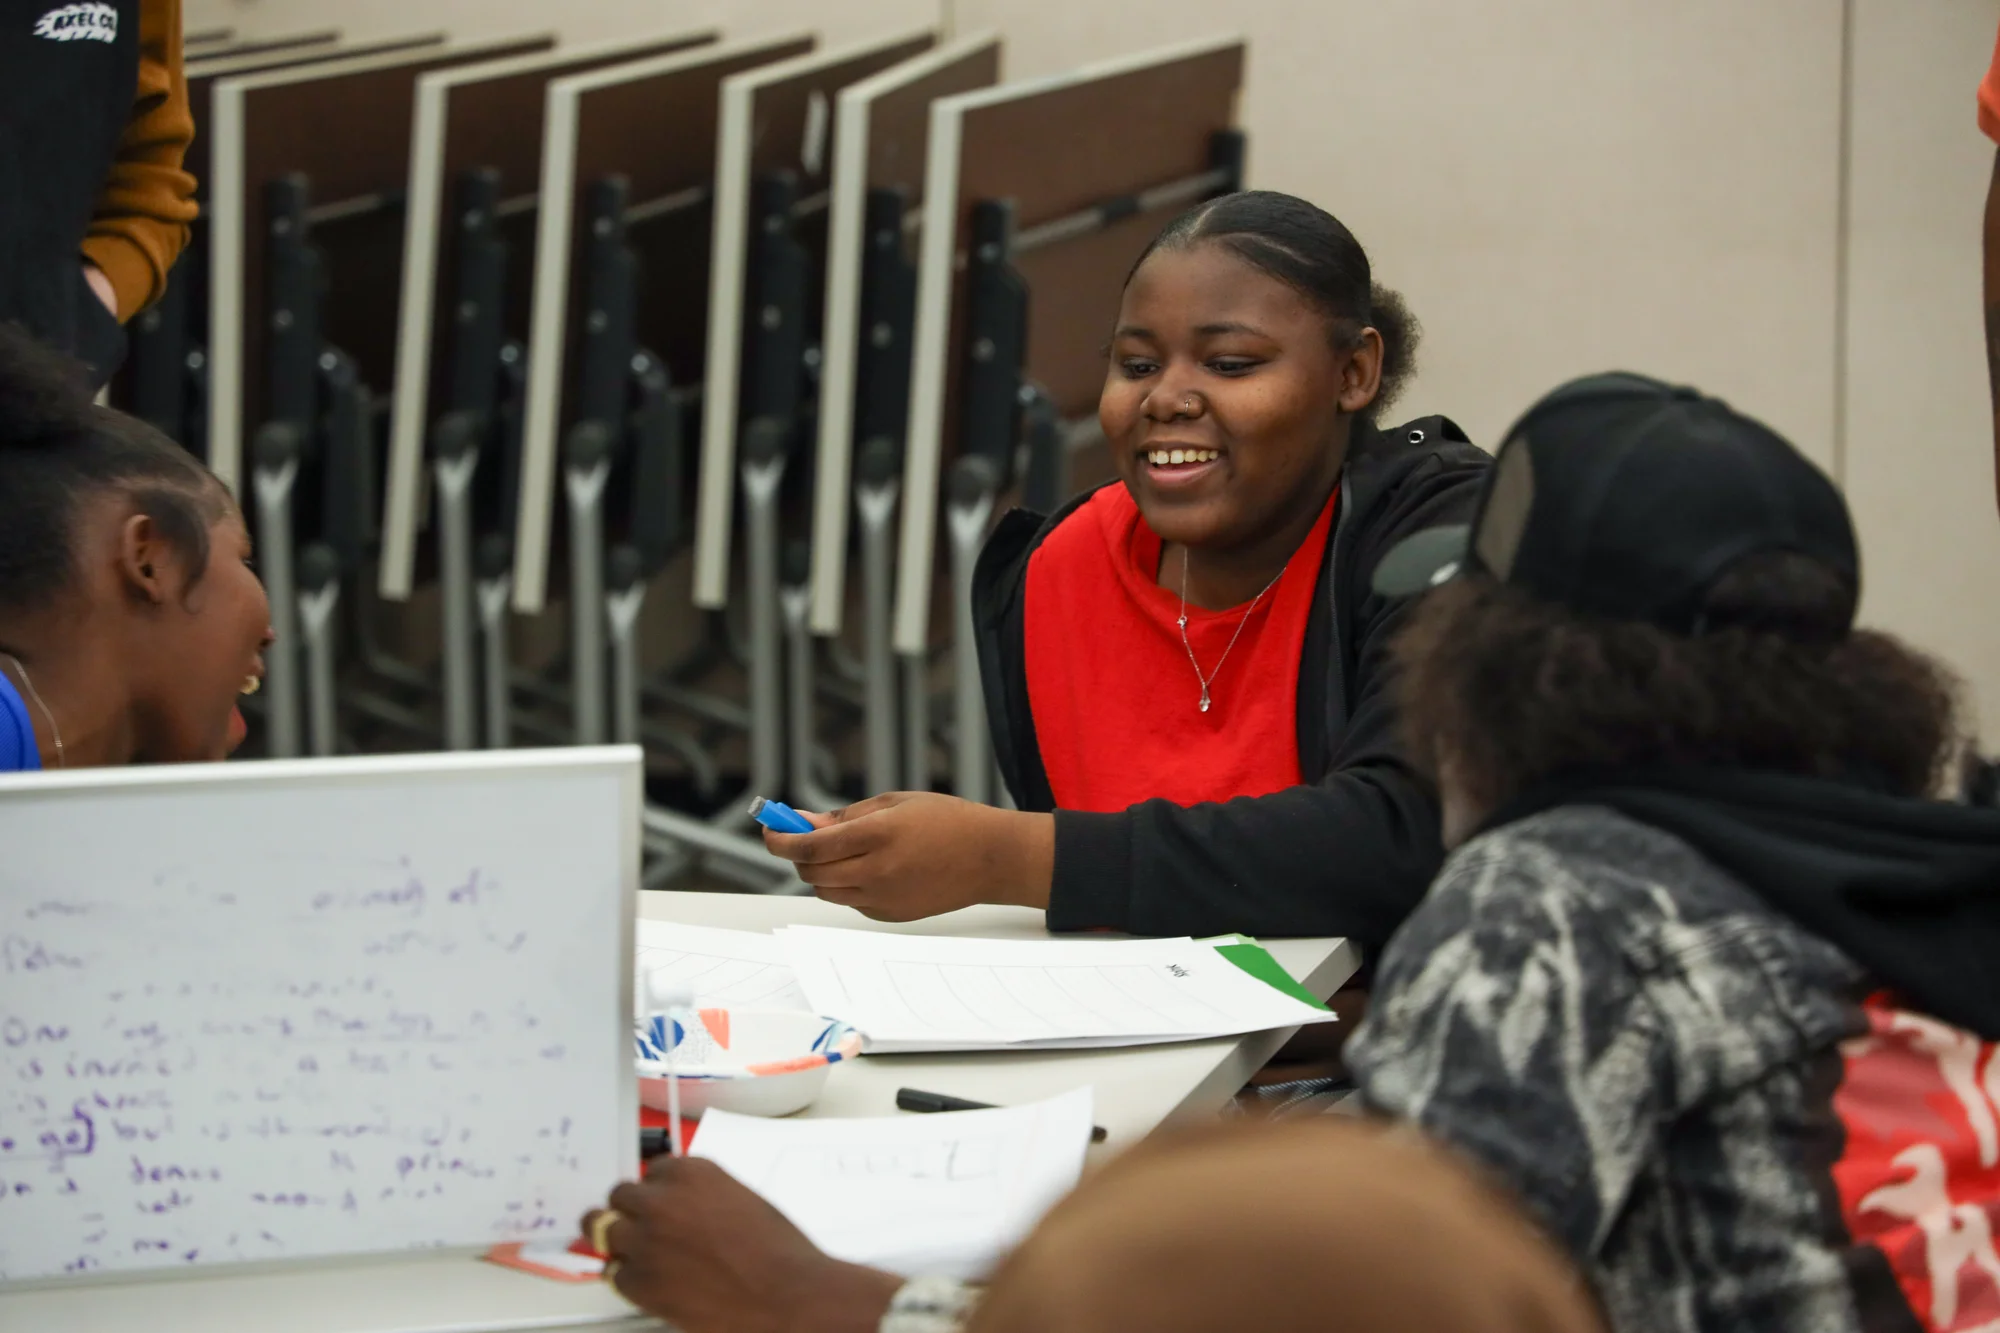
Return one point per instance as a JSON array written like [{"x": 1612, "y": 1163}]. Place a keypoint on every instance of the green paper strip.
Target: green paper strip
[{"x": 1255, "y": 959}]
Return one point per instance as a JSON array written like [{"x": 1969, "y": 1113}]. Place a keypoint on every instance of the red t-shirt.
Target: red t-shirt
[{"x": 1116, "y": 703}]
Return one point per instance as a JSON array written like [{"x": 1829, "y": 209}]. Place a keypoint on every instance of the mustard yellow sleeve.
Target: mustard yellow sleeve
[{"x": 143, "y": 212}]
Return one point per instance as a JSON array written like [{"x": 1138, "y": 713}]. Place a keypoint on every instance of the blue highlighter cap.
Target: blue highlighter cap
[{"x": 779, "y": 817}]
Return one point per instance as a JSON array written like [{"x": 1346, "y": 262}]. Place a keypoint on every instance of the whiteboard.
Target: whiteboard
[{"x": 283, "y": 1011}]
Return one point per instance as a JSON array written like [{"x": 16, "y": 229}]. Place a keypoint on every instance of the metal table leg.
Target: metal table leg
[
  {"x": 319, "y": 599},
  {"x": 763, "y": 471},
  {"x": 916, "y": 675},
  {"x": 453, "y": 471},
  {"x": 277, "y": 471},
  {"x": 493, "y": 595},
  {"x": 585, "y": 476},
  {"x": 805, "y": 788},
  {"x": 967, "y": 517},
  {"x": 621, "y": 613},
  {"x": 876, "y": 508}
]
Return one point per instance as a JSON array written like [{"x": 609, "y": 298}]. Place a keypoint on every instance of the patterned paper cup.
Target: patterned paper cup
[{"x": 753, "y": 1061}]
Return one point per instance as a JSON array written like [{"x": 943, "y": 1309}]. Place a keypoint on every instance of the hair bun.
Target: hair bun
[
  {"x": 1401, "y": 333},
  {"x": 43, "y": 394}
]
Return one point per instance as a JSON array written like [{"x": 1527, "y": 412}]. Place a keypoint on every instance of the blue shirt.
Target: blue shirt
[{"x": 17, "y": 734}]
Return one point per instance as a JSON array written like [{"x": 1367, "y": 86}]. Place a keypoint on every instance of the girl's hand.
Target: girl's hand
[
  {"x": 695, "y": 1247},
  {"x": 905, "y": 855}
]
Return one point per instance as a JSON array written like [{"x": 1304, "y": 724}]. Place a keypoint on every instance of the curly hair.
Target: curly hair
[
  {"x": 1504, "y": 690},
  {"x": 1312, "y": 252}
]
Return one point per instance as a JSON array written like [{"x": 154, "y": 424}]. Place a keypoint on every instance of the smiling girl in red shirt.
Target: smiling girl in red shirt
[{"x": 1186, "y": 672}]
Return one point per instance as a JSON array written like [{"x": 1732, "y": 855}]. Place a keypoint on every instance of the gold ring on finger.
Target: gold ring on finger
[{"x": 600, "y": 1230}]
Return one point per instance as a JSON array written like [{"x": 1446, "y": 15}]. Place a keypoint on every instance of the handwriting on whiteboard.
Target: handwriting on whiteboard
[{"x": 284, "y": 1058}]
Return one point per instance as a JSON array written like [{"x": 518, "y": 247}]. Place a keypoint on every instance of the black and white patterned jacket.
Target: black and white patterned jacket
[{"x": 1707, "y": 1105}]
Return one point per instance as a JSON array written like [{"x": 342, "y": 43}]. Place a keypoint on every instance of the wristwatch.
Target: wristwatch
[{"x": 930, "y": 1305}]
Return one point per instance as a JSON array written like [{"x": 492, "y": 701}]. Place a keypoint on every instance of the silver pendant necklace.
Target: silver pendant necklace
[
  {"x": 55, "y": 732},
  {"x": 1208, "y": 679}
]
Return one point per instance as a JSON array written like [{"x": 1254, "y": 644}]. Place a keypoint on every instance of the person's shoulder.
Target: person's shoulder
[
  {"x": 1680, "y": 923},
  {"x": 18, "y": 751},
  {"x": 1518, "y": 916},
  {"x": 1588, "y": 839},
  {"x": 1021, "y": 534},
  {"x": 1582, "y": 873},
  {"x": 1423, "y": 472},
  {"x": 1559, "y": 864},
  {"x": 1630, "y": 868},
  {"x": 1596, "y": 860},
  {"x": 1090, "y": 516},
  {"x": 1425, "y": 444}
]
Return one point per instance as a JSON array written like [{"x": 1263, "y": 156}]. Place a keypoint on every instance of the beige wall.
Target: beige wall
[
  {"x": 1919, "y": 431},
  {"x": 1557, "y": 185},
  {"x": 1567, "y": 185}
]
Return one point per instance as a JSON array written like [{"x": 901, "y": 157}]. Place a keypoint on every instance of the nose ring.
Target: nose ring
[{"x": 1187, "y": 407}]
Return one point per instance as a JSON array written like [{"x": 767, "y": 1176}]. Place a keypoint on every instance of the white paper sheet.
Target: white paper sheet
[
  {"x": 948, "y": 1193},
  {"x": 723, "y": 967},
  {"x": 931, "y": 993}
]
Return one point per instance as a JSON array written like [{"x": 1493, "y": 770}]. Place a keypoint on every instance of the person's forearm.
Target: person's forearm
[
  {"x": 1030, "y": 844},
  {"x": 1347, "y": 856},
  {"x": 853, "y": 1299}
]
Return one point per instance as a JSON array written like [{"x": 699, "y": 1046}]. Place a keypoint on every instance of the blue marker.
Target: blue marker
[{"x": 779, "y": 817}]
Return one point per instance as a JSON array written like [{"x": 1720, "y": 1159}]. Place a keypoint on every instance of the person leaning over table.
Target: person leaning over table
[
  {"x": 94, "y": 205},
  {"x": 1186, "y": 673},
  {"x": 130, "y": 618}
]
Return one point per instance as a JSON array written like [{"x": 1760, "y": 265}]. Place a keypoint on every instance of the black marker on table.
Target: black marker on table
[{"x": 911, "y": 1099}]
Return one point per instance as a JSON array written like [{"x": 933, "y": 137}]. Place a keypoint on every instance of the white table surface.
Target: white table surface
[{"x": 1136, "y": 1089}]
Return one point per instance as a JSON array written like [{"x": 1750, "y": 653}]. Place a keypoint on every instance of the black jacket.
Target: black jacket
[
  {"x": 1908, "y": 889},
  {"x": 67, "y": 75},
  {"x": 1351, "y": 850}
]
